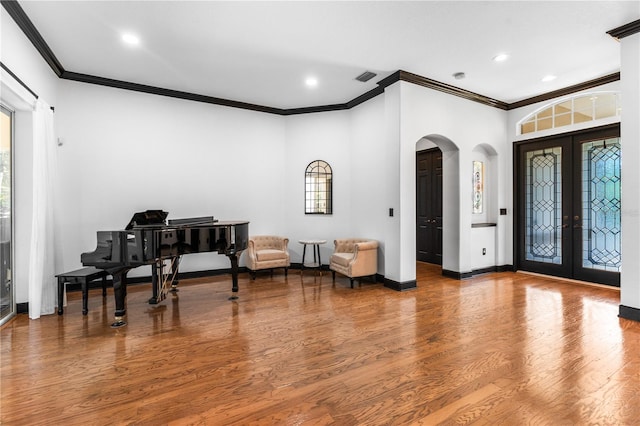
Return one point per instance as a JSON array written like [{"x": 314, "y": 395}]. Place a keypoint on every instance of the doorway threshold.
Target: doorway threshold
[{"x": 572, "y": 281}]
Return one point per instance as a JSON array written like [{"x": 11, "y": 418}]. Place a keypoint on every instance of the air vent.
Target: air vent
[{"x": 366, "y": 76}]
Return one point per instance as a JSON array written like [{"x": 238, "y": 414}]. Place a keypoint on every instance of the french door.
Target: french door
[{"x": 568, "y": 205}]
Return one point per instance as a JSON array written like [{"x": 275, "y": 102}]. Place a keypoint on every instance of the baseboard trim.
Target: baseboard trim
[
  {"x": 400, "y": 286},
  {"x": 464, "y": 275},
  {"x": 627, "y": 312}
]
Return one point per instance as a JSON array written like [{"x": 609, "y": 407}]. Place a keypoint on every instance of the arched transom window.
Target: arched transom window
[
  {"x": 318, "y": 188},
  {"x": 575, "y": 110}
]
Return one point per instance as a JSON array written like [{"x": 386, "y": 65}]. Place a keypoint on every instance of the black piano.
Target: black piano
[{"x": 149, "y": 240}]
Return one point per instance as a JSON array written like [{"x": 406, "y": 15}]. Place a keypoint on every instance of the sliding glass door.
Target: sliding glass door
[
  {"x": 7, "y": 300},
  {"x": 568, "y": 204}
]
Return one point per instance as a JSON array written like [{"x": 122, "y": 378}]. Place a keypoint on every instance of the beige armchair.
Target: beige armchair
[
  {"x": 267, "y": 252},
  {"x": 354, "y": 257}
]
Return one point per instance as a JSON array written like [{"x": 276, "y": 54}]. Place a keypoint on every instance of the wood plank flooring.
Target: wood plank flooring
[{"x": 504, "y": 348}]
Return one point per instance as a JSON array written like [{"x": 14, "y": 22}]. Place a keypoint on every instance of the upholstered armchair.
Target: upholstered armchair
[
  {"x": 267, "y": 252},
  {"x": 355, "y": 258}
]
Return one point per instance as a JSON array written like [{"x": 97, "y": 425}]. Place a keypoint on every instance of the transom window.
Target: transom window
[
  {"x": 575, "y": 110},
  {"x": 318, "y": 188}
]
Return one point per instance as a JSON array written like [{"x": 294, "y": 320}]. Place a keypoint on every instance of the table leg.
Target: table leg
[{"x": 304, "y": 253}]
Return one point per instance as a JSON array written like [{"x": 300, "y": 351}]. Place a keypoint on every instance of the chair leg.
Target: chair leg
[
  {"x": 286, "y": 271},
  {"x": 351, "y": 282},
  {"x": 334, "y": 275},
  {"x": 253, "y": 275}
]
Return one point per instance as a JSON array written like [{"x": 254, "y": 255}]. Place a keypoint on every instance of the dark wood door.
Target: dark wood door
[
  {"x": 429, "y": 206},
  {"x": 568, "y": 202}
]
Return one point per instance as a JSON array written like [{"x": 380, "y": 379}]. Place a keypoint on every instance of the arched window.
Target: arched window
[
  {"x": 575, "y": 110},
  {"x": 318, "y": 188}
]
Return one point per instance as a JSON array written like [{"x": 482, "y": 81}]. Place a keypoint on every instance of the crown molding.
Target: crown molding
[
  {"x": 452, "y": 90},
  {"x": 566, "y": 91},
  {"x": 120, "y": 84},
  {"x": 625, "y": 30},
  {"x": 24, "y": 23}
]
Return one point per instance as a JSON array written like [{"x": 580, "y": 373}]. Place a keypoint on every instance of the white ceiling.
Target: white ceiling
[{"x": 261, "y": 52}]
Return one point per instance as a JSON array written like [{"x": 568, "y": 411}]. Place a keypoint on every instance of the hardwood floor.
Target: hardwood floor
[{"x": 499, "y": 348}]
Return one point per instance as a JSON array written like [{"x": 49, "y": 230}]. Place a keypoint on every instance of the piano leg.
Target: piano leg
[
  {"x": 120, "y": 293},
  {"x": 234, "y": 275},
  {"x": 154, "y": 284},
  {"x": 175, "y": 262}
]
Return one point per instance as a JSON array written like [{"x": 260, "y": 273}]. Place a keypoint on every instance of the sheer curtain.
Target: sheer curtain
[{"x": 42, "y": 280}]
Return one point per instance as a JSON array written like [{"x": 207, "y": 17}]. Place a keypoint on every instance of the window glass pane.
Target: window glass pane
[
  {"x": 563, "y": 107},
  {"x": 528, "y": 127},
  {"x": 562, "y": 120},
  {"x": 543, "y": 208},
  {"x": 601, "y": 202},
  {"x": 581, "y": 116},
  {"x": 7, "y": 305},
  {"x": 583, "y": 103},
  {"x": 545, "y": 123},
  {"x": 545, "y": 113},
  {"x": 606, "y": 106}
]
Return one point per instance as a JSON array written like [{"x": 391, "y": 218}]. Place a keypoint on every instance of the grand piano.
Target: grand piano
[{"x": 149, "y": 240}]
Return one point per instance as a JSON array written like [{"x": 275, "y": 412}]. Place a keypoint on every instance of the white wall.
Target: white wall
[
  {"x": 126, "y": 151},
  {"x": 630, "y": 145},
  {"x": 466, "y": 125},
  {"x": 369, "y": 209},
  {"x": 310, "y": 137},
  {"x": 19, "y": 55}
]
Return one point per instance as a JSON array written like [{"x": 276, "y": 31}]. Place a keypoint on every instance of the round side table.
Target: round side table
[{"x": 315, "y": 246}]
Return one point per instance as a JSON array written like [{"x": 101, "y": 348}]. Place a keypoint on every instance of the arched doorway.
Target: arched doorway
[{"x": 449, "y": 223}]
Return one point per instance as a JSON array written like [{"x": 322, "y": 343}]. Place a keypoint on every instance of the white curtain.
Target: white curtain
[{"x": 42, "y": 280}]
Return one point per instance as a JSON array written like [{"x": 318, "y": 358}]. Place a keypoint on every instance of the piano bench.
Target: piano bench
[{"x": 83, "y": 277}]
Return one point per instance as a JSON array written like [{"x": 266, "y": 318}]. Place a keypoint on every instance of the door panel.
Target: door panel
[
  {"x": 568, "y": 201},
  {"x": 429, "y": 206},
  {"x": 596, "y": 227},
  {"x": 544, "y": 188}
]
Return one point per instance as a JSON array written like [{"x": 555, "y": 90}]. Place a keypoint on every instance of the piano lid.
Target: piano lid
[
  {"x": 148, "y": 218},
  {"x": 193, "y": 221}
]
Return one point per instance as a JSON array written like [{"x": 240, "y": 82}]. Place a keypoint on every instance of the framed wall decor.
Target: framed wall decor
[{"x": 478, "y": 187}]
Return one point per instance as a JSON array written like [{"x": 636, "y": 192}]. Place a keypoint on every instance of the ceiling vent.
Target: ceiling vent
[{"x": 366, "y": 76}]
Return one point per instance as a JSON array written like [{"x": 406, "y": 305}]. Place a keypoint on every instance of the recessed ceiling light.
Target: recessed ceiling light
[
  {"x": 131, "y": 39},
  {"x": 548, "y": 78},
  {"x": 501, "y": 57},
  {"x": 311, "y": 82}
]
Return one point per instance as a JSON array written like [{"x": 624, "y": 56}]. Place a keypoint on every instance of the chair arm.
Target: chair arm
[
  {"x": 251, "y": 251},
  {"x": 285, "y": 245},
  {"x": 366, "y": 245}
]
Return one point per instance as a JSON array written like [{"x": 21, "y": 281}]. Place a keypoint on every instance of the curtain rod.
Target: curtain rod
[{"x": 22, "y": 83}]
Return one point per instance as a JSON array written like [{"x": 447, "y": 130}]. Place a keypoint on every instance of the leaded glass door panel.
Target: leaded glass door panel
[
  {"x": 568, "y": 206},
  {"x": 597, "y": 201},
  {"x": 544, "y": 244}
]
